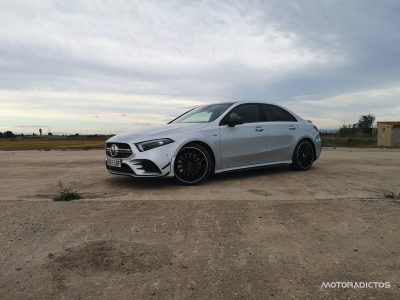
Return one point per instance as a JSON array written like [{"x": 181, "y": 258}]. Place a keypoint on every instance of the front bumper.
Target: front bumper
[{"x": 156, "y": 162}]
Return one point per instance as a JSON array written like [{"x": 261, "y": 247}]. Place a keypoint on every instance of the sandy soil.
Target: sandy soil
[{"x": 270, "y": 233}]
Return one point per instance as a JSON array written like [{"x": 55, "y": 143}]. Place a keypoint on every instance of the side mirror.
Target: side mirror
[{"x": 234, "y": 120}]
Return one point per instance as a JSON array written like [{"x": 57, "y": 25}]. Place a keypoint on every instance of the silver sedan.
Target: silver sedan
[{"x": 216, "y": 138}]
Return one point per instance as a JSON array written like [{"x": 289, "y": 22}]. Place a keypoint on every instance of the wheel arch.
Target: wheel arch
[
  {"x": 306, "y": 138},
  {"x": 205, "y": 146}
]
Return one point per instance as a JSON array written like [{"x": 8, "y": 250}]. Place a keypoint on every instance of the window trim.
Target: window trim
[{"x": 186, "y": 112}]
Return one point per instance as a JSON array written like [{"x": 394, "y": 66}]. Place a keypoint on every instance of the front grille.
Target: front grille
[
  {"x": 124, "y": 150},
  {"x": 124, "y": 169}
]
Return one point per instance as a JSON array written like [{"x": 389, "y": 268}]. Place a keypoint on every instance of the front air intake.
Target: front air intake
[{"x": 146, "y": 166}]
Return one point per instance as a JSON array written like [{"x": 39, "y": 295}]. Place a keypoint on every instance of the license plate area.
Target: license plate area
[{"x": 114, "y": 162}]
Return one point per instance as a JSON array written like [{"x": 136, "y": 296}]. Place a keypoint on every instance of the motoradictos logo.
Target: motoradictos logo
[{"x": 356, "y": 285}]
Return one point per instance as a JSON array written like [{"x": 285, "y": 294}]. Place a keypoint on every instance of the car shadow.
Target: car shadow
[
  {"x": 168, "y": 183},
  {"x": 251, "y": 173}
]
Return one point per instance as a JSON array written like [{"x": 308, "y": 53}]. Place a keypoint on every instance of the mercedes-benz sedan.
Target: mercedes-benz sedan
[{"x": 216, "y": 138}]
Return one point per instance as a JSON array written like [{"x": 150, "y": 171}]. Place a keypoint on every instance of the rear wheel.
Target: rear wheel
[
  {"x": 192, "y": 164},
  {"x": 303, "y": 156}
]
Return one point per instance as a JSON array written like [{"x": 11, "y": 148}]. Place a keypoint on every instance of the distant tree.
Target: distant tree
[
  {"x": 1, "y": 135},
  {"x": 49, "y": 133},
  {"x": 345, "y": 130},
  {"x": 366, "y": 121},
  {"x": 9, "y": 134},
  {"x": 40, "y": 131}
]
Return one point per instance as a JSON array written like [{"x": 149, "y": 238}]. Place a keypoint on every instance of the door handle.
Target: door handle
[
  {"x": 292, "y": 128},
  {"x": 259, "y": 129}
]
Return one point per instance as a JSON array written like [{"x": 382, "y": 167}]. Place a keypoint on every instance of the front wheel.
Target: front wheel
[
  {"x": 303, "y": 156},
  {"x": 192, "y": 164}
]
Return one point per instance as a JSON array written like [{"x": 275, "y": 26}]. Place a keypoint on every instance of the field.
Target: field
[
  {"x": 58, "y": 143},
  {"x": 270, "y": 233},
  {"x": 97, "y": 142}
]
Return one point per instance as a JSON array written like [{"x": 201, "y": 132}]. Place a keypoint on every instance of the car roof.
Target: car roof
[
  {"x": 241, "y": 102},
  {"x": 244, "y": 102},
  {"x": 257, "y": 102},
  {"x": 270, "y": 103},
  {"x": 254, "y": 101}
]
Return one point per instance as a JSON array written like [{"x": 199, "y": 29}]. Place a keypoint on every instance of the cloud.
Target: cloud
[
  {"x": 150, "y": 59},
  {"x": 31, "y": 126},
  {"x": 347, "y": 108}
]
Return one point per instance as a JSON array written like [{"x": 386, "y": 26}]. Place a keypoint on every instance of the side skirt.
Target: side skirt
[{"x": 249, "y": 167}]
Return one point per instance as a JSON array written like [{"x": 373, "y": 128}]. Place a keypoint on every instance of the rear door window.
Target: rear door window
[{"x": 272, "y": 113}]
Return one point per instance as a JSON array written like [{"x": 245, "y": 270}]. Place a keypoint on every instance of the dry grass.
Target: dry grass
[
  {"x": 51, "y": 143},
  {"x": 338, "y": 141}
]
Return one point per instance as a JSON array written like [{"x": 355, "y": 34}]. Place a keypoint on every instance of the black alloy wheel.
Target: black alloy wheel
[
  {"x": 192, "y": 164},
  {"x": 303, "y": 156}
]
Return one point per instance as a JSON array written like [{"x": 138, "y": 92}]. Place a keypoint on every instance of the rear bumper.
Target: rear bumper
[{"x": 318, "y": 147}]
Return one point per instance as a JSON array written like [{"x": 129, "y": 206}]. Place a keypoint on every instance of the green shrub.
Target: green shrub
[
  {"x": 67, "y": 195},
  {"x": 392, "y": 195}
]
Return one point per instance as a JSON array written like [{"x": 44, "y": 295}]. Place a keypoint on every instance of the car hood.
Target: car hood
[{"x": 154, "y": 132}]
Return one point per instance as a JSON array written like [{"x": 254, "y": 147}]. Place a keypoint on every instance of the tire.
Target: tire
[
  {"x": 303, "y": 156},
  {"x": 192, "y": 165}
]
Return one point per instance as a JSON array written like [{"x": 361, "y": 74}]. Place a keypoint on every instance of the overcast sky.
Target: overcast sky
[{"x": 96, "y": 66}]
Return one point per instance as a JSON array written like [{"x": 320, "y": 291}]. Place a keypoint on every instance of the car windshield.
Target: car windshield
[{"x": 203, "y": 114}]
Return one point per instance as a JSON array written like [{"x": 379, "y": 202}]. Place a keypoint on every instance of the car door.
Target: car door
[
  {"x": 282, "y": 129},
  {"x": 244, "y": 144}
]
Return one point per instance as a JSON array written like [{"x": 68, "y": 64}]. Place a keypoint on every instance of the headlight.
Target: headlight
[{"x": 147, "y": 145}]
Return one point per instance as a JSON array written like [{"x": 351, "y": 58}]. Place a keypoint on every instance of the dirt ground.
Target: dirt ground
[{"x": 270, "y": 233}]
